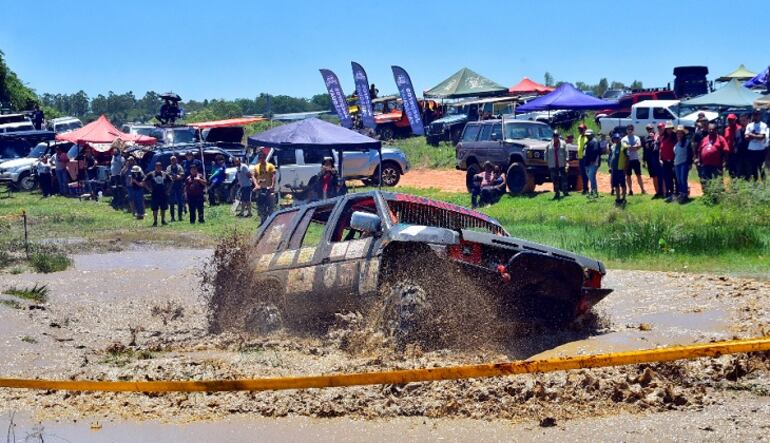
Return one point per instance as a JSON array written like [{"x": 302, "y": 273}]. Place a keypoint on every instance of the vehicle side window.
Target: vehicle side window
[
  {"x": 642, "y": 113},
  {"x": 471, "y": 132},
  {"x": 343, "y": 232},
  {"x": 486, "y": 130},
  {"x": 286, "y": 157},
  {"x": 315, "y": 156},
  {"x": 271, "y": 237},
  {"x": 497, "y": 132},
  {"x": 661, "y": 114},
  {"x": 310, "y": 229}
]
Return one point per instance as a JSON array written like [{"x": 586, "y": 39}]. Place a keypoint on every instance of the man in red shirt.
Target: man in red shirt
[
  {"x": 732, "y": 132},
  {"x": 712, "y": 153},
  {"x": 666, "y": 142}
]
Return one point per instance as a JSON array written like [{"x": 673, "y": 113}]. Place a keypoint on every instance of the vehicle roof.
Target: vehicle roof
[
  {"x": 63, "y": 119},
  {"x": 657, "y": 103},
  {"x": 386, "y": 98},
  {"x": 48, "y": 135},
  {"x": 407, "y": 198}
]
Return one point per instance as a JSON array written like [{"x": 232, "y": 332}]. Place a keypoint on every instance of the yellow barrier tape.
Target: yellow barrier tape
[{"x": 406, "y": 375}]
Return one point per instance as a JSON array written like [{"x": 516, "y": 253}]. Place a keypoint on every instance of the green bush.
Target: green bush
[
  {"x": 47, "y": 262},
  {"x": 37, "y": 293}
]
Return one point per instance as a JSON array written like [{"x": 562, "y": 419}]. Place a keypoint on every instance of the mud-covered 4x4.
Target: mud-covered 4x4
[
  {"x": 409, "y": 255},
  {"x": 517, "y": 146}
]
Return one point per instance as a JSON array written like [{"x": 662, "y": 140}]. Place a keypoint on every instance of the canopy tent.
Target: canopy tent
[
  {"x": 314, "y": 133},
  {"x": 465, "y": 83},
  {"x": 228, "y": 122},
  {"x": 762, "y": 102},
  {"x": 739, "y": 74},
  {"x": 759, "y": 80},
  {"x": 101, "y": 132},
  {"x": 566, "y": 96},
  {"x": 731, "y": 95},
  {"x": 528, "y": 86}
]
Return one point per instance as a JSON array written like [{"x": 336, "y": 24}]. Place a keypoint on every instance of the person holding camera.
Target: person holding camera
[
  {"x": 264, "y": 175},
  {"x": 195, "y": 187}
]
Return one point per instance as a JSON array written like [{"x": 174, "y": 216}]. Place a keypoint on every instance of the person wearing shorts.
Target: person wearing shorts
[
  {"x": 618, "y": 162},
  {"x": 158, "y": 182},
  {"x": 633, "y": 145}
]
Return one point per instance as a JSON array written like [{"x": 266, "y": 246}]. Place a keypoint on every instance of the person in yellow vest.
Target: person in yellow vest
[
  {"x": 582, "y": 140},
  {"x": 264, "y": 174}
]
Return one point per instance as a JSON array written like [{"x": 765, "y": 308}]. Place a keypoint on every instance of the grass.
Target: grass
[
  {"x": 37, "y": 293},
  {"x": 47, "y": 262},
  {"x": 28, "y": 339},
  {"x": 421, "y": 155},
  {"x": 10, "y": 303},
  {"x": 729, "y": 233}
]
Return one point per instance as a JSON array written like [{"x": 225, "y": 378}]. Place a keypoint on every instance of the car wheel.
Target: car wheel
[
  {"x": 391, "y": 175},
  {"x": 386, "y": 133},
  {"x": 406, "y": 305},
  {"x": 518, "y": 180},
  {"x": 27, "y": 182},
  {"x": 263, "y": 318},
  {"x": 472, "y": 170}
]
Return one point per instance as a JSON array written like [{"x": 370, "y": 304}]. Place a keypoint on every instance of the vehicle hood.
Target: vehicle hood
[
  {"x": 450, "y": 119},
  {"x": 518, "y": 244},
  {"x": 17, "y": 162}
]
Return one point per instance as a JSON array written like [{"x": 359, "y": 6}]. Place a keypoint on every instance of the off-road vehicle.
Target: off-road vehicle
[
  {"x": 408, "y": 254},
  {"x": 517, "y": 146}
]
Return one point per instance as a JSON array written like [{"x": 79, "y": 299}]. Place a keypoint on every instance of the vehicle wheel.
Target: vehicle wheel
[
  {"x": 472, "y": 170},
  {"x": 455, "y": 135},
  {"x": 519, "y": 181},
  {"x": 263, "y": 318},
  {"x": 27, "y": 182},
  {"x": 406, "y": 307},
  {"x": 391, "y": 174},
  {"x": 386, "y": 133}
]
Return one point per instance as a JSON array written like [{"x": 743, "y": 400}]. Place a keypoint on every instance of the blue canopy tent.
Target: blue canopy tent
[
  {"x": 760, "y": 81},
  {"x": 316, "y": 134},
  {"x": 566, "y": 96}
]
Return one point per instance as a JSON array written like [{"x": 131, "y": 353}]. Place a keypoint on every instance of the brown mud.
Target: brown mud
[{"x": 140, "y": 316}]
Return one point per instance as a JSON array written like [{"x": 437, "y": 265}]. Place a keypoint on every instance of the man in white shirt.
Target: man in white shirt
[
  {"x": 757, "y": 135},
  {"x": 633, "y": 146}
]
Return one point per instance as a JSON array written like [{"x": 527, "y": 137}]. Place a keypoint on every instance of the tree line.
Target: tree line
[{"x": 598, "y": 89}]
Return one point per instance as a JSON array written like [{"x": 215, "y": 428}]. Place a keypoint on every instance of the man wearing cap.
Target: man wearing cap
[
  {"x": 556, "y": 158},
  {"x": 633, "y": 144},
  {"x": 591, "y": 158},
  {"x": 158, "y": 183},
  {"x": 581, "y": 146},
  {"x": 136, "y": 190},
  {"x": 666, "y": 142},
  {"x": 651, "y": 157},
  {"x": 712, "y": 153},
  {"x": 757, "y": 136},
  {"x": 175, "y": 171},
  {"x": 264, "y": 175},
  {"x": 189, "y": 161},
  {"x": 731, "y": 137}
]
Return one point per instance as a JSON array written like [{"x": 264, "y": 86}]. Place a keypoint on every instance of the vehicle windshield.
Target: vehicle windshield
[
  {"x": 142, "y": 131},
  {"x": 457, "y": 110},
  {"x": 518, "y": 131},
  {"x": 182, "y": 135},
  {"x": 38, "y": 150}
]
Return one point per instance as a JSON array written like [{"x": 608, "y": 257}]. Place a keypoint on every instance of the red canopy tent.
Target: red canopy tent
[
  {"x": 528, "y": 86},
  {"x": 101, "y": 132}
]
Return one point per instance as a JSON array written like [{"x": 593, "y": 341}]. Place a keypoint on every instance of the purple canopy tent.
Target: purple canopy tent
[
  {"x": 316, "y": 134},
  {"x": 566, "y": 96}
]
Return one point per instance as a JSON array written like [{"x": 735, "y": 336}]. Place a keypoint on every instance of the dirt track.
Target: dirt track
[
  {"x": 85, "y": 332},
  {"x": 452, "y": 180}
]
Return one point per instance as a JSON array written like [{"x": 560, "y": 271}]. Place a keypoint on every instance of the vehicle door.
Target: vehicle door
[
  {"x": 357, "y": 164},
  {"x": 661, "y": 114},
  {"x": 641, "y": 116},
  {"x": 272, "y": 256},
  {"x": 347, "y": 252},
  {"x": 288, "y": 162},
  {"x": 490, "y": 143}
]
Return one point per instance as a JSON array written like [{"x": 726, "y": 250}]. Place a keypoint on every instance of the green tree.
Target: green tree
[
  {"x": 13, "y": 93},
  {"x": 636, "y": 84},
  {"x": 548, "y": 79}
]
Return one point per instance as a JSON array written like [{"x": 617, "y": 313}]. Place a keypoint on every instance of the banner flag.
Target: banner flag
[
  {"x": 364, "y": 99},
  {"x": 411, "y": 107},
  {"x": 337, "y": 96}
]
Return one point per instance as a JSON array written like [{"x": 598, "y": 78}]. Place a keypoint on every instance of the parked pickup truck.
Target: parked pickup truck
[
  {"x": 297, "y": 167},
  {"x": 653, "y": 112}
]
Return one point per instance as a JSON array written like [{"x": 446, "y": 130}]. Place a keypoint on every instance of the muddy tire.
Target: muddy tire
[
  {"x": 406, "y": 307},
  {"x": 27, "y": 182},
  {"x": 386, "y": 133},
  {"x": 263, "y": 318},
  {"x": 519, "y": 180}
]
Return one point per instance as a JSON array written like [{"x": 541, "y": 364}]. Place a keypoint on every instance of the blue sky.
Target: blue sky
[{"x": 229, "y": 49}]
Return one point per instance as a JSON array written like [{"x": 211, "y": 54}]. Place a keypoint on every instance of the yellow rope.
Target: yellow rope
[{"x": 405, "y": 375}]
